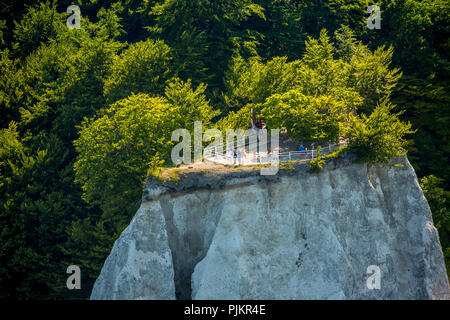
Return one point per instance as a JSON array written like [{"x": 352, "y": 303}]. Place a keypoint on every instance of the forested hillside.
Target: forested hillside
[{"x": 87, "y": 113}]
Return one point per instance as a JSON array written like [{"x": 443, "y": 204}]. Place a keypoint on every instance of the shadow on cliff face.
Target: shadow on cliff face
[{"x": 190, "y": 235}]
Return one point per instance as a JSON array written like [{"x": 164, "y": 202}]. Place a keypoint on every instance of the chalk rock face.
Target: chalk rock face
[
  {"x": 296, "y": 235},
  {"x": 140, "y": 263}
]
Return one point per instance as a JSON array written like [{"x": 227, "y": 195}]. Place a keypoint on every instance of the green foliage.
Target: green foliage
[
  {"x": 336, "y": 153},
  {"x": 371, "y": 76},
  {"x": 253, "y": 81},
  {"x": 109, "y": 23},
  {"x": 345, "y": 43},
  {"x": 236, "y": 120},
  {"x": 39, "y": 25},
  {"x": 427, "y": 103},
  {"x": 311, "y": 98},
  {"x": 318, "y": 50},
  {"x": 379, "y": 137},
  {"x": 116, "y": 148},
  {"x": 15, "y": 158},
  {"x": 144, "y": 67},
  {"x": 36, "y": 209},
  {"x": 305, "y": 118},
  {"x": 10, "y": 93},
  {"x": 332, "y": 14},
  {"x": 417, "y": 29},
  {"x": 2, "y": 27},
  {"x": 281, "y": 33},
  {"x": 316, "y": 164},
  {"x": 217, "y": 30},
  {"x": 359, "y": 78},
  {"x": 49, "y": 91}
]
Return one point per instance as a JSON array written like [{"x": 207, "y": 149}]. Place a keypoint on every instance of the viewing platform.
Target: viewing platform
[{"x": 254, "y": 158}]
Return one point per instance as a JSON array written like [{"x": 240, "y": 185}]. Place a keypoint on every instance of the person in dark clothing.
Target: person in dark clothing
[{"x": 302, "y": 150}]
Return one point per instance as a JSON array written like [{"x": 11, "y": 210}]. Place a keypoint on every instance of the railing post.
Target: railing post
[{"x": 289, "y": 156}]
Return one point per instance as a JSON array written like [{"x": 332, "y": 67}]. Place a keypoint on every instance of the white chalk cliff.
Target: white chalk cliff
[{"x": 296, "y": 235}]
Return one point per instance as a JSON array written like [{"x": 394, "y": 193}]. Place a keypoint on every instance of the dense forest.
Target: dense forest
[{"x": 87, "y": 113}]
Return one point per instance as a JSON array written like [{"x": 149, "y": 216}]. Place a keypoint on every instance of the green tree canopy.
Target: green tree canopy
[
  {"x": 144, "y": 67},
  {"x": 306, "y": 118},
  {"x": 379, "y": 137},
  {"x": 117, "y": 147}
]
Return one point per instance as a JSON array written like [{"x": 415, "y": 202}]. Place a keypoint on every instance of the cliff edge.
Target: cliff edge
[{"x": 233, "y": 234}]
